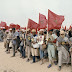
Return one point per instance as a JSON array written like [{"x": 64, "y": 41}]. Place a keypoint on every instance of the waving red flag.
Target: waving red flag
[
  {"x": 17, "y": 26},
  {"x": 32, "y": 24},
  {"x": 3, "y": 25},
  {"x": 42, "y": 21},
  {"x": 12, "y": 25},
  {"x": 23, "y": 28},
  {"x": 7, "y": 27},
  {"x": 70, "y": 27},
  {"x": 54, "y": 20}
]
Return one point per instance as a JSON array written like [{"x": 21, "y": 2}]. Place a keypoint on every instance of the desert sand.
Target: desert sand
[{"x": 16, "y": 64}]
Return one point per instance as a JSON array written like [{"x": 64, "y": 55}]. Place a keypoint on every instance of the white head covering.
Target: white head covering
[
  {"x": 23, "y": 30},
  {"x": 33, "y": 30},
  {"x": 10, "y": 29},
  {"x": 41, "y": 30}
]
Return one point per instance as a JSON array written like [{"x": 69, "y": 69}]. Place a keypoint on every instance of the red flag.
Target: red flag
[
  {"x": 70, "y": 27},
  {"x": 54, "y": 20},
  {"x": 7, "y": 27},
  {"x": 17, "y": 26},
  {"x": 42, "y": 21},
  {"x": 62, "y": 27},
  {"x": 12, "y": 25},
  {"x": 32, "y": 24},
  {"x": 65, "y": 28},
  {"x": 23, "y": 28},
  {"x": 3, "y": 25}
]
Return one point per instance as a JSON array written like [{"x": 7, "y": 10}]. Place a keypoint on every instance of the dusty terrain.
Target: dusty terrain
[{"x": 16, "y": 64}]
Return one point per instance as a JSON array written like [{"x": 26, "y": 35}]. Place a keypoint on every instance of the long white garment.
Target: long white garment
[
  {"x": 34, "y": 52},
  {"x": 41, "y": 39},
  {"x": 63, "y": 55},
  {"x": 51, "y": 50},
  {"x": 36, "y": 45}
]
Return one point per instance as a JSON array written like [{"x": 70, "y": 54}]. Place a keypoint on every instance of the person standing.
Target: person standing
[
  {"x": 63, "y": 49},
  {"x": 9, "y": 38},
  {"x": 14, "y": 41},
  {"x": 4, "y": 38},
  {"x": 51, "y": 48},
  {"x": 1, "y": 35},
  {"x": 41, "y": 42},
  {"x": 35, "y": 46},
  {"x": 22, "y": 48},
  {"x": 28, "y": 44},
  {"x": 7, "y": 32}
]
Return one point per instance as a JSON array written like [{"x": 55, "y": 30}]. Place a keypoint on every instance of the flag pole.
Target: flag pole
[
  {"x": 47, "y": 28},
  {"x": 47, "y": 32},
  {"x": 25, "y": 36},
  {"x": 38, "y": 33}
]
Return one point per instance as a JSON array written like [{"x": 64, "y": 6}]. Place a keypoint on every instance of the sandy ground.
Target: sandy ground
[{"x": 16, "y": 64}]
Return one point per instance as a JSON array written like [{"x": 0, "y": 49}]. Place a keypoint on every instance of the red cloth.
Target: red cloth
[
  {"x": 32, "y": 24},
  {"x": 12, "y": 25},
  {"x": 3, "y": 25},
  {"x": 42, "y": 21},
  {"x": 55, "y": 41},
  {"x": 54, "y": 20},
  {"x": 70, "y": 27},
  {"x": 65, "y": 27},
  {"x": 17, "y": 26},
  {"x": 23, "y": 28},
  {"x": 7, "y": 27}
]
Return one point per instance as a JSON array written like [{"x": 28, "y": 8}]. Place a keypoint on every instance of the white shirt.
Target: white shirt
[{"x": 41, "y": 39}]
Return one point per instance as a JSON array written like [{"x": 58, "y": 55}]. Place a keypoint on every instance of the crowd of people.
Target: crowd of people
[{"x": 54, "y": 45}]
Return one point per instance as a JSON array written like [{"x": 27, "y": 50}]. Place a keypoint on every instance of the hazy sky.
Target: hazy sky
[{"x": 18, "y": 11}]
